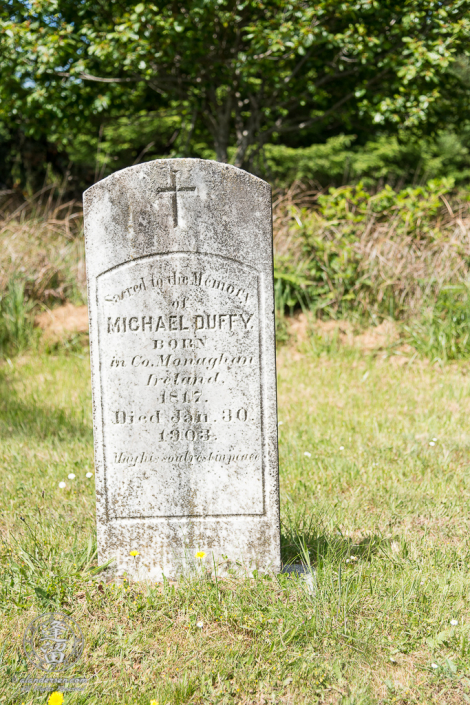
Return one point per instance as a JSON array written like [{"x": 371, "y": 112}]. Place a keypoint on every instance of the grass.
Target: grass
[
  {"x": 348, "y": 253},
  {"x": 379, "y": 513},
  {"x": 42, "y": 248}
]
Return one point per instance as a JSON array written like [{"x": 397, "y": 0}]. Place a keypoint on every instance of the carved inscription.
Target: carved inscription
[{"x": 180, "y": 352}]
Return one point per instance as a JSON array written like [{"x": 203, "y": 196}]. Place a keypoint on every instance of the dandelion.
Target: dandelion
[
  {"x": 71, "y": 476},
  {"x": 341, "y": 447},
  {"x": 61, "y": 485},
  {"x": 200, "y": 555},
  {"x": 434, "y": 665},
  {"x": 154, "y": 702},
  {"x": 134, "y": 553},
  {"x": 454, "y": 622},
  {"x": 89, "y": 474},
  {"x": 431, "y": 443},
  {"x": 200, "y": 625},
  {"x": 55, "y": 698},
  {"x": 309, "y": 455}
]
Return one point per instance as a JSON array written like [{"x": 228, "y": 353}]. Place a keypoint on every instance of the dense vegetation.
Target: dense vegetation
[
  {"x": 356, "y": 111},
  {"x": 87, "y": 87},
  {"x": 341, "y": 253}
]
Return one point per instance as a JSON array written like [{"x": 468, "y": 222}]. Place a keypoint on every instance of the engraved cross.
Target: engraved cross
[{"x": 174, "y": 190}]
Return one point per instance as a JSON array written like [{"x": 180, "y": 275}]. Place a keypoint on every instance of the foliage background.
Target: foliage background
[
  {"x": 332, "y": 91},
  {"x": 356, "y": 112}
]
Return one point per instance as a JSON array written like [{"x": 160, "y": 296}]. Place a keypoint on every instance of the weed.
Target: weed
[
  {"x": 347, "y": 253},
  {"x": 42, "y": 246},
  {"x": 443, "y": 331},
  {"x": 16, "y": 328}
]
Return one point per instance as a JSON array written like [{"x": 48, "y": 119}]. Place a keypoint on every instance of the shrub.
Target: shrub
[{"x": 386, "y": 253}]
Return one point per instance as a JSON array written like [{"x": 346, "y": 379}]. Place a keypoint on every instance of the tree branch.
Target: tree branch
[{"x": 99, "y": 79}]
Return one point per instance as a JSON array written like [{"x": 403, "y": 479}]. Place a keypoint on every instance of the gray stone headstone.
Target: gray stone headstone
[{"x": 180, "y": 291}]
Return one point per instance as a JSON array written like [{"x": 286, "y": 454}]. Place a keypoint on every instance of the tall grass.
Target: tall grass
[
  {"x": 41, "y": 245},
  {"x": 347, "y": 253},
  {"x": 402, "y": 255},
  {"x": 442, "y": 332},
  {"x": 388, "y": 252},
  {"x": 16, "y": 327},
  {"x": 42, "y": 262}
]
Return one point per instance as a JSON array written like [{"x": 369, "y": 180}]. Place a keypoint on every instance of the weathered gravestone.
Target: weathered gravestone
[{"x": 180, "y": 284}]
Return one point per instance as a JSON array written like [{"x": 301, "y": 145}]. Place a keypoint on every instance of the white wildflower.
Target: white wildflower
[
  {"x": 431, "y": 443},
  {"x": 454, "y": 622},
  {"x": 61, "y": 485},
  {"x": 341, "y": 447},
  {"x": 71, "y": 476},
  {"x": 434, "y": 665},
  {"x": 200, "y": 625},
  {"x": 309, "y": 455},
  {"x": 89, "y": 474}
]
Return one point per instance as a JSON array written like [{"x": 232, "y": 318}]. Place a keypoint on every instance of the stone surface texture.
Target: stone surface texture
[{"x": 180, "y": 285}]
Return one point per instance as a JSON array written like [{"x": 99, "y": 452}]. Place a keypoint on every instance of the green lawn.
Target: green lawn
[{"x": 380, "y": 513}]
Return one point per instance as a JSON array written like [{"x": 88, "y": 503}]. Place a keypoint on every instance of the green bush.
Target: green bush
[
  {"x": 401, "y": 254},
  {"x": 386, "y": 159}
]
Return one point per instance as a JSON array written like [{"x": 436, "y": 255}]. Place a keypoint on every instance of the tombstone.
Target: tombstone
[{"x": 180, "y": 291}]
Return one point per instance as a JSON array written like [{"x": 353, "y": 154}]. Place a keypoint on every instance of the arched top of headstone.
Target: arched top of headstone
[
  {"x": 170, "y": 205},
  {"x": 227, "y": 170}
]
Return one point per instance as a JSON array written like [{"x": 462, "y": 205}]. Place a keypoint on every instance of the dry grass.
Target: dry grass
[
  {"x": 414, "y": 262},
  {"x": 41, "y": 244},
  {"x": 63, "y": 320}
]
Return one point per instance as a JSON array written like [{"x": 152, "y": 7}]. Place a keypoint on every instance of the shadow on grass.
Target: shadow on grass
[
  {"x": 26, "y": 417},
  {"x": 303, "y": 534}
]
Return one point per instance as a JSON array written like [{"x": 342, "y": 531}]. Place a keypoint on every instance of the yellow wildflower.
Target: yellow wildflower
[
  {"x": 134, "y": 553},
  {"x": 200, "y": 554},
  {"x": 154, "y": 702},
  {"x": 55, "y": 699}
]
